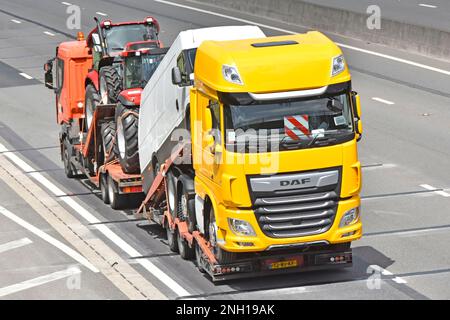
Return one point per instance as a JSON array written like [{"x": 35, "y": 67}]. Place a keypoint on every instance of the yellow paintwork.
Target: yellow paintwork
[
  {"x": 303, "y": 66},
  {"x": 222, "y": 178}
]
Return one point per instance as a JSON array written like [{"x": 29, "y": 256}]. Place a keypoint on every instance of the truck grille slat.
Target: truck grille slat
[{"x": 306, "y": 211}]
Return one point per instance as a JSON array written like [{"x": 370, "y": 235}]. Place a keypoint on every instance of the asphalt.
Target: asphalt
[
  {"x": 427, "y": 13},
  {"x": 405, "y": 146}
]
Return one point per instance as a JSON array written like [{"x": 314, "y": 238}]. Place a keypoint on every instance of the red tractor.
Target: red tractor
[{"x": 98, "y": 85}]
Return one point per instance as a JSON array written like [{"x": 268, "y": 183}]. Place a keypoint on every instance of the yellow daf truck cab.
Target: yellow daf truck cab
[{"x": 275, "y": 126}]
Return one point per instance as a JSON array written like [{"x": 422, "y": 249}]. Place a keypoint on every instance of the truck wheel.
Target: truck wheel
[
  {"x": 127, "y": 121},
  {"x": 104, "y": 188},
  {"x": 222, "y": 256},
  {"x": 109, "y": 141},
  {"x": 92, "y": 99},
  {"x": 69, "y": 169},
  {"x": 186, "y": 252},
  {"x": 116, "y": 200},
  {"x": 110, "y": 85},
  {"x": 172, "y": 238},
  {"x": 171, "y": 194}
]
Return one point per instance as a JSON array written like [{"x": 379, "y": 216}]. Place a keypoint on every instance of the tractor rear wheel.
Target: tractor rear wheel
[
  {"x": 109, "y": 141},
  {"x": 110, "y": 85},
  {"x": 127, "y": 121}
]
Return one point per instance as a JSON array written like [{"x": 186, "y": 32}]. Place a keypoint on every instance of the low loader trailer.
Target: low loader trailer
[{"x": 268, "y": 180}]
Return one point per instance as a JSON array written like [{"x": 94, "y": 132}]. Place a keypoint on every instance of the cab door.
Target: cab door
[{"x": 211, "y": 138}]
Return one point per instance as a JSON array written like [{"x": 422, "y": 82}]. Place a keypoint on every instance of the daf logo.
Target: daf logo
[{"x": 295, "y": 182}]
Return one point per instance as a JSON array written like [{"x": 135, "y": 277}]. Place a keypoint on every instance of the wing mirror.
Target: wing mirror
[
  {"x": 48, "y": 68},
  {"x": 356, "y": 100},
  {"x": 176, "y": 76}
]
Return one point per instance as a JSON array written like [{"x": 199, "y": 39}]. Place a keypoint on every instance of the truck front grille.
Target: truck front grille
[
  {"x": 296, "y": 205},
  {"x": 296, "y": 216}
]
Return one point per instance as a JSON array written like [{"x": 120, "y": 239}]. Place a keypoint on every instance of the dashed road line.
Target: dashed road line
[
  {"x": 385, "y": 272},
  {"x": 66, "y": 3},
  {"x": 16, "y": 21},
  {"x": 101, "y": 14},
  {"x": 49, "y": 33},
  {"x": 28, "y": 284},
  {"x": 14, "y": 244},
  {"x": 431, "y": 6},
  {"x": 381, "y": 55},
  {"x": 383, "y": 101},
  {"x": 44, "y": 236},
  {"x": 26, "y": 76},
  {"x": 436, "y": 190}
]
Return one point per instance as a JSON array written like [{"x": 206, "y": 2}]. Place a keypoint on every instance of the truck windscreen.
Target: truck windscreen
[
  {"x": 117, "y": 37},
  {"x": 291, "y": 124}
]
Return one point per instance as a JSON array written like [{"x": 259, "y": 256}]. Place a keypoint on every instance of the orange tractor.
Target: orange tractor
[{"x": 98, "y": 83}]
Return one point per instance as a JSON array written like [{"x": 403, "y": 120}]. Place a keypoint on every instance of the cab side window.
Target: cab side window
[{"x": 181, "y": 63}]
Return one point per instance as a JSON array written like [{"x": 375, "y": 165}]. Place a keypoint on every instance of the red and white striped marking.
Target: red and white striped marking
[{"x": 297, "y": 127}]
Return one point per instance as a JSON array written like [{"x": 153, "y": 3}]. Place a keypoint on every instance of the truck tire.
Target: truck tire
[
  {"x": 127, "y": 121},
  {"x": 117, "y": 200},
  {"x": 222, "y": 256},
  {"x": 69, "y": 169},
  {"x": 186, "y": 208},
  {"x": 199, "y": 257},
  {"x": 109, "y": 141},
  {"x": 110, "y": 84},
  {"x": 172, "y": 238},
  {"x": 104, "y": 188},
  {"x": 92, "y": 99}
]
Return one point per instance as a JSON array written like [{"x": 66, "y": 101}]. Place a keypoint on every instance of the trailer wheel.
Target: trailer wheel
[
  {"x": 104, "y": 188},
  {"x": 109, "y": 141},
  {"x": 172, "y": 240},
  {"x": 127, "y": 121},
  {"x": 199, "y": 257},
  {"x": 110, "y": 85},
  {"x": 117, "y": 200},
  {"x": 186, "y": 208},
  {"x": 69, "y": 169},
  {"x": 186, "y": 252},
  {"x": 222, "y": 256},
  {"x": 171, "y": 194},
  {"x": 92, "y": 99}
]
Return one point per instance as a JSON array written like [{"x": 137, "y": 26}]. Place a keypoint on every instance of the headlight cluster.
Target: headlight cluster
[
  {"x": 241, "y": 227},
  {"x": 350, "y": 217}
]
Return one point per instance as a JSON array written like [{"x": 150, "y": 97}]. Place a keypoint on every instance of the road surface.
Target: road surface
[{"x": 58, "y": 239}]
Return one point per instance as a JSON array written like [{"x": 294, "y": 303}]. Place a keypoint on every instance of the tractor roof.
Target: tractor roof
[{"x": 274, "y": 64}]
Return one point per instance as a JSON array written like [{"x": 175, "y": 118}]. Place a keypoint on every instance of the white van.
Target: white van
[{"x": 164, "y": 105}]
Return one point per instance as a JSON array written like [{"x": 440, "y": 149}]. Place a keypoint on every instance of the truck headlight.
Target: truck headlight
[
  {"x": 338, "y": 65},
  {"x": 349, "y": 218},
  {"x": 231, "y": 74},
  {"x": 241, "y": 227}
]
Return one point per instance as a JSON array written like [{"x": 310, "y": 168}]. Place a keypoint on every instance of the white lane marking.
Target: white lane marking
[
  {"x": 61, "y": 246},
  {"x": 66, "y": 3},
  {"x": 439, "y": 192},
  {"x": 28, "y": 284},
  {"x": 49, "y": 33},
  {"x": 381, "y": 55},
  {"x": 26, "y": 76},
  {"x": 427, "y": 5},
  {"x": 14, "y": 244},
  {"x": 385, "y": 272},
  {"x": 383, "y": 101},
  {"x": 16, "y": 21},
  {"x": 101, "y": 14},
  {"x": 399, "y": 280},
  {"x": 378, "y": 167},
  {"x": 90, "y": 218}
]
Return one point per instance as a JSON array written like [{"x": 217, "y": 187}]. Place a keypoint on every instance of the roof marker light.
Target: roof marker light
[{"x": 231, "y": 74}]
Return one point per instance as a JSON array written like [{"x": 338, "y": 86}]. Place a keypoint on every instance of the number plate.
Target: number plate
[{"x": 284, "y": 264}]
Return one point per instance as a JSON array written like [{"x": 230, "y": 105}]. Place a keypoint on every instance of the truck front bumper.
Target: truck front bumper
[{"x": 231, "y": 242}]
